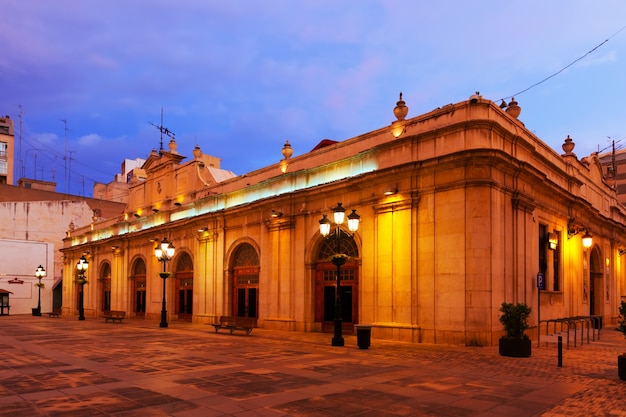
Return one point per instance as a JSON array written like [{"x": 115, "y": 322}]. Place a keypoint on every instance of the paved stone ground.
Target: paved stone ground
[{"x": 66, "y": 367}]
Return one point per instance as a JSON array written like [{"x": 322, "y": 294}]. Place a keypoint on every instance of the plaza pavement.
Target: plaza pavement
[{"x": 66, "y": 367}]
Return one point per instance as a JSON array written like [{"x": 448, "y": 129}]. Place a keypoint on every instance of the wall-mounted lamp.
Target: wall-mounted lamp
[
  {"x": 587, "y": 240},
  {"x": 574, "y": 230},
  {"x": 177, "y": 204},
  {"x": 553, "y": 240},
  {"x": 276, "y": 214},
  {"x": 136, "y": 214},
  {"x": 155, "y": 210},
  {"x": 202, "y": 229},
  {"x": 621, "y": 251},
  {"x": 390, "y": 190}
]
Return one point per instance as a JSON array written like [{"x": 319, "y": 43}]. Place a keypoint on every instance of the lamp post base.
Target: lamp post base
[
  {"x": 338, "y": 337},
  {"x": 337, "y": 341}
]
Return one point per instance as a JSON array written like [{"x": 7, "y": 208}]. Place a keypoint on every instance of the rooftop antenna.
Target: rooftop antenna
[
  {"x": 65, "y": 158},
  {"x": 163, "y": 130},
  {"x": 612, "y": 169}
]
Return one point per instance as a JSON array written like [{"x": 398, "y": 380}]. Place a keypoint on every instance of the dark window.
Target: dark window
[
  {"x": 556, "y": 253},
  {"x": 543, "y": 249}
]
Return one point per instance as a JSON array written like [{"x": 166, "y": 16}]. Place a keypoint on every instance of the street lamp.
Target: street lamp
[
  {"x": 39, "y": 274},
  {"x": 164, "y": 252},
  {"x": 339, "y": 259},
  {"x": 82, "y": 266}
]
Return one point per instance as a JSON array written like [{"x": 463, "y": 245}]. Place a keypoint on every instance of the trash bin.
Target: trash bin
[{"x": 363, "y": 335}]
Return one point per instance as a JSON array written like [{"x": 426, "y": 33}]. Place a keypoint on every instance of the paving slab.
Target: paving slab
[{"x": 65, "y": 367}]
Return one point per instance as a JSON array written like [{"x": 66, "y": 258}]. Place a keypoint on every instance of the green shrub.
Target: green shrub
[
  {"x": 621, "y": 325},
  {"x": 514, "y": 318}
]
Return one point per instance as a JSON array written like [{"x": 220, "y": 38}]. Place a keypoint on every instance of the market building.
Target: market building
[{"x": 461, "y": 209}]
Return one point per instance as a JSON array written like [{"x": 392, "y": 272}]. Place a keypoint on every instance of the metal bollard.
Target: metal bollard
[{"x": 560, "y": 349}]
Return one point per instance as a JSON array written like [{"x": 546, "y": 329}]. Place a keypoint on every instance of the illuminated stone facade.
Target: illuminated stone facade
[{"x": 458, "y": 207}]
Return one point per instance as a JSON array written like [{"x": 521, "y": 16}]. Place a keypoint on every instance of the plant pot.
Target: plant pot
[
  {"x": 515, "y": 348},
  {"x": 621, "y": 367}
]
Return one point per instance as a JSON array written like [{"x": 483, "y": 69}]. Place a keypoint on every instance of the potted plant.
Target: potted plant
[
  {"x": 514, "y": 318},
  {"x": 621, "y": 326}
]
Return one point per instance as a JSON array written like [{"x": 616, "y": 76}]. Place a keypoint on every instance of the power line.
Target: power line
[{"x": 565, "y": 67}]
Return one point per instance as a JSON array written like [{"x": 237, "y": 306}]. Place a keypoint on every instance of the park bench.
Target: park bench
[
  {"x": 233, "y": 323},
  {"x": 56, "y": 312},
  {"x": 114, "y": 315}
]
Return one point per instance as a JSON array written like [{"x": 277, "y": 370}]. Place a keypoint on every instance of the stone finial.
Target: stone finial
[
  {"x": 197, "y": 152},
  {"x": 287, "y": 150},
  {"x": 513, "y": 109},
  {"x": 173, "y": 145},
  {"x": 401, "y": 110},
  {"x": 568, "y": 146}
]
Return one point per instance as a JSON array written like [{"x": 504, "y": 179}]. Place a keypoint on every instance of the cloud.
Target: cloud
[{"x": 90, "y": 140}]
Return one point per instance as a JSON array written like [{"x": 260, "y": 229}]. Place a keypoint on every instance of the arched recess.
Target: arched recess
[
  {"x": 596, "y": 286},
  {"x": 245, "y": 267},
  {"x": 184, "y": 287},
  {"x": 138, "y": 279},
  {"x": 326, "y": 283},
  {"x": 104, "y": 280}
]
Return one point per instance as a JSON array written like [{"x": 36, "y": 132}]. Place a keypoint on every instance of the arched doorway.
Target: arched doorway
[
  {"x": 326, "y": 284},
  {"x": 246, "y": 281},
  {"x": 105, "y": 286},
  {"x": 595, "y": 283},
  {"x": 184, "y": 287},
  {"x": 138, "y": 275}
]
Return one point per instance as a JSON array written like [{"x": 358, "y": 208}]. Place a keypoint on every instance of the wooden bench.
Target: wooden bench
[
  {"x": 233, "y": 323},
  {"x": 56, "y": 312},
  {"x": 114, "y": 315}
]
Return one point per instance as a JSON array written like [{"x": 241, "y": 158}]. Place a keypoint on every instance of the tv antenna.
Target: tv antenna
[
  {"x": 164, "y": 131},
  {"x": 612, "y": 169}
]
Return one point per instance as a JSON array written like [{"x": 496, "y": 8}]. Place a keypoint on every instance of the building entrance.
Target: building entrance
[
  {"x": 246, "y": 282},
  {"x": 595, "y": 283},
  {"x": 105, "y": 285},
  {"x": 184, "y": 287},
  {"x": 139, "y": 288},
  {"x": 326, "y": 284}
]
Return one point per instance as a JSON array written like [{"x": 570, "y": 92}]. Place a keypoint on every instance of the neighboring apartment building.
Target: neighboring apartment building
[
  {"x": 461, "y": 209},
  {"x": 117, "y": 190},
  {"x": 7, "y": 154}
]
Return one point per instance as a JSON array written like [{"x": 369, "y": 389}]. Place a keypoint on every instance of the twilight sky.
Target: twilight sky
[{"x": 240, "y": 77}]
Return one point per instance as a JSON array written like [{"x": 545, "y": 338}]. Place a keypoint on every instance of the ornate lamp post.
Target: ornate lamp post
[
  {"x": 81, "y": 266},
  {"x": 39, "y": 274},
  {"x": 338, "y": 260},
  {"x": 164, "y": 252}
]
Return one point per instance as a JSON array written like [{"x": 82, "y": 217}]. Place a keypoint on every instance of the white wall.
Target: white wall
[{"x": 20, "y": 259}]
